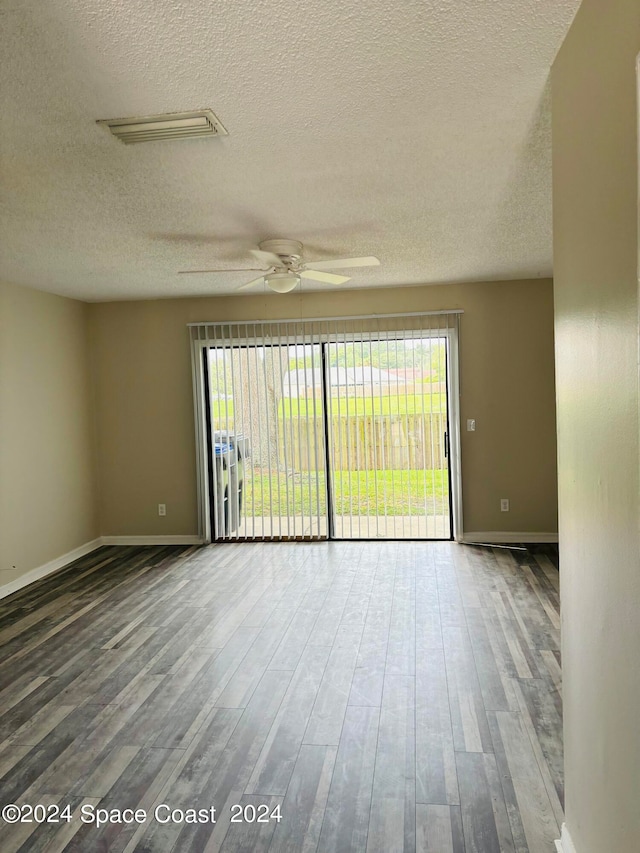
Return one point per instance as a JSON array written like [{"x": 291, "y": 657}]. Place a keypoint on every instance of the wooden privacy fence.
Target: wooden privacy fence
[{"x": 367, "y": 442}]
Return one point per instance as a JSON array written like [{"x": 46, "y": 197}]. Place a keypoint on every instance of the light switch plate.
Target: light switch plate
[
  {"x": 162, "y": 509},
  {"x": 471, "y": 425}
]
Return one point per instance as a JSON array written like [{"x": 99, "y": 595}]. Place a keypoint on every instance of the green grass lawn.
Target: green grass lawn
[
  {"x": 355, "y": 493},
  {"x": 411, "y": 404}
]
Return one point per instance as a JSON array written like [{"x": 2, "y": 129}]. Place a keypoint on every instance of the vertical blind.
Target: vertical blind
[{"x": 309, "y": 429}]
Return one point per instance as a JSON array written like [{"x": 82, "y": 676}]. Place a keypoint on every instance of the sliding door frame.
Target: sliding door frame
[
  {"x": 326, "y": 438},
  {"x": 453, "y": 425},
  {"x": 200, "y": 379},
  {"x": 200, "y": 344}
]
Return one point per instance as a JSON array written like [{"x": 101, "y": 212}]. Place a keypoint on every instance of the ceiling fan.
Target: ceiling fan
[{"x": 286, "y": 266}]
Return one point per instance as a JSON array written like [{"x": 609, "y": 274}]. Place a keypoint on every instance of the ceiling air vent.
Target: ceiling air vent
[{"x": 167, "y": 126}]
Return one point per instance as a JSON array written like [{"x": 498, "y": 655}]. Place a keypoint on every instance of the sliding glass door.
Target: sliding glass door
[{"x": 327, "y": 429}]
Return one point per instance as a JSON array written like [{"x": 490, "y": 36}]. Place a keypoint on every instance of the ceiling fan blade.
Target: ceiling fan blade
[
  {"x": 267, "y": 258},
  {"x": 251, "y": 283},
  {"x": 342, "y": 263},
  {"x": 326, "y": 277},
  {"x": 197, "y": 272}
]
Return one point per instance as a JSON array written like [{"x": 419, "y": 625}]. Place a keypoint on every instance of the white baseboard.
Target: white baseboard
[
  {"x": 499, "y": 537},
  {"x": 151, "y": 540},
  {"x": 81, "y": 551},
  {"x": 565, "y": 844},
  {"x": 49, "y": 568}
]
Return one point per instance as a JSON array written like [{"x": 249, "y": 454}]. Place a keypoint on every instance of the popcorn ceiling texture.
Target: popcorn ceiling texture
[{"x": 417, "y": 130}]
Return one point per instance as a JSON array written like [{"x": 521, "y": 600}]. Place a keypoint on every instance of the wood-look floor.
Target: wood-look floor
[{"x": 394, "y": 696}]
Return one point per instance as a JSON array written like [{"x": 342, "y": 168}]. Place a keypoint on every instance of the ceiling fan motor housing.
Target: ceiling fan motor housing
[{"x": 290, "y": 251}]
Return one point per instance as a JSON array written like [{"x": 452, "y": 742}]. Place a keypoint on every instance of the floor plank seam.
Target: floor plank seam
[{"x": 423, "y": 744}]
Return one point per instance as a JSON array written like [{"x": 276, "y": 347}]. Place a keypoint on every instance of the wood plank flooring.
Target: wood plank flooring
[{"x": 392, "y": 696}]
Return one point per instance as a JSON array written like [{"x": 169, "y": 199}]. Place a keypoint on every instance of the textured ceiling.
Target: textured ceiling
[{"x": 416, "y": 130}]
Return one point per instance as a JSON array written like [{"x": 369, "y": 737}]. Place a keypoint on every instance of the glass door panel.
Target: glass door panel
[
  {"x": 388, "y": 445},
  {"x": 267, "y": 442}
]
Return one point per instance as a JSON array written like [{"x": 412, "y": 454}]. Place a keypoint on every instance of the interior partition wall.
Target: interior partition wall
[{"x": 332, "y": 428}]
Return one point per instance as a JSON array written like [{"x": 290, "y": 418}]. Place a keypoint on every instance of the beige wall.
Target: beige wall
[
  {"x": 47, "y": 489},
  {"x": 144, "y": 411},
  {"x": 595, "y": 167}
]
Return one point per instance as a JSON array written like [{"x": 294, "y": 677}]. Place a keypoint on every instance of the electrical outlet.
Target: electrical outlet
[
  {"x": 504, "y": 505},
  {"x": 471, "y": 425},
  {"x": 162, "y": 509}
]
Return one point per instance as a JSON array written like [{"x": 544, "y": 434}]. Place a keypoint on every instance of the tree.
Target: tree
[
  {"x": 438, "y": 361},
  {"x": 257, "y": 378}
]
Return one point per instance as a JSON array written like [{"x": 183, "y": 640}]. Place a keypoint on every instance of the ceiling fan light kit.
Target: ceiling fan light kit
[
  {"x": 282, "y": 282},
  {"x": 286, "y": 266}
]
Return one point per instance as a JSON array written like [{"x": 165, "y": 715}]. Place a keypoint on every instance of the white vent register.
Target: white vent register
[{"x": 166, "y": 126}]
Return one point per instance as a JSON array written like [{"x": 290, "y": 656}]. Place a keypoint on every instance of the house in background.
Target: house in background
[
  {"x": 308, "y": 380},
  {"x": 419, "y": 134}
]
